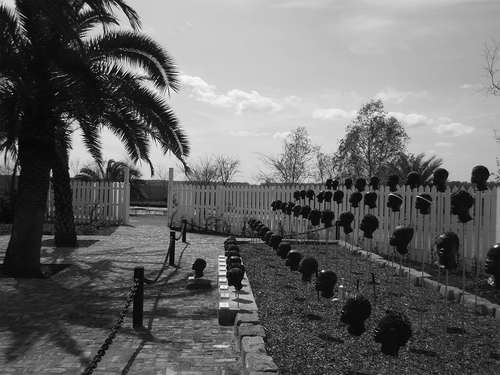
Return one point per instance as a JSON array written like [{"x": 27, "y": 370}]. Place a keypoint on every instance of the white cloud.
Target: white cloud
[
  {"x": 397, "y": 96},
  {"x": 412, "y": 120},
  {"x": 281, "y": 135},
  {"x": 444, "y": 144},
  {"x": 242, "y": 101},
  {"x": 454, "y": 129},
  {"x": 332, "y": 113}
]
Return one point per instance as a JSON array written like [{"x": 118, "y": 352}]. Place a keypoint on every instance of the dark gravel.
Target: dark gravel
[{"x": 322, "y": 345}]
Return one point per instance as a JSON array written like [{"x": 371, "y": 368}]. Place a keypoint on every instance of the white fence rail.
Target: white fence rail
[
  {"x": 96, "y": 201},
  {"x": 227, "y": 209}
]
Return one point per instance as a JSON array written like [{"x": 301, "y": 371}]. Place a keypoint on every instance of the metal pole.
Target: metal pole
[
  {"x": 138, "y": 298},
  {"x": 184, "y": 229},
  {"x": 171, "y": 259}
]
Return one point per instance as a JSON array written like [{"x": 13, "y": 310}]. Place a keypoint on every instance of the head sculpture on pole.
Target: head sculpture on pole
[
  {"x": 492, "y": 265},
  {"x": 360, "y": 184},
  {"x": 446, "y": 246},
  {"x": 401, "y": 238},
  {"x": 439, "y": 179},
  {"x": 348, "y": 183},
  {"x": 345, "y": 221},
  {"x": 355, "y": 198},
  {"x": 461, "y": 202},
  {"x": 392, "y": 182},
  {"x": 370, "y": 199},
  {"x": 413, "y": 180},
  {"x": 393, "y": 332},
  {"x": 479, "y": 176},
  {"x": 423, "y": 203},
  {"x": 369, "y": 224},
  {"x": 354, "y": 313},
  {"x": 394, "y": 201},
  {"x": 374, "y": 182},
  {"x": 325, "y": 282}
]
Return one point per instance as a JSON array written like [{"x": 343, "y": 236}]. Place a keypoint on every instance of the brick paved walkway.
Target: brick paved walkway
[{"x": 56, "y": 325}]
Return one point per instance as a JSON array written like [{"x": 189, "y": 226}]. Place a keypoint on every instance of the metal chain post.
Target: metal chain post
[
  {"x": 172, "y": 249},
  {"x": 184, "y": 230},
  {"x": 138, "y": 307}
]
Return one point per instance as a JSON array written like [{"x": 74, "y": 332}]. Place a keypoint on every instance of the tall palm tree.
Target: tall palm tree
[
  {"x": 407, "y": 163},
  {"x": 54, "y": 78},
  {"x": 114, "y": 172}
]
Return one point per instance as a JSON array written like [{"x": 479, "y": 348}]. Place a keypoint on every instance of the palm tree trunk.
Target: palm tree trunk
[
  {"x": 22, "y": 258},
  {"x": 64, "y": 219}
]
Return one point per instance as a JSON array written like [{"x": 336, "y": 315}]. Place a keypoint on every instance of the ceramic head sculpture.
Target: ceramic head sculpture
[
  {"x": 492, "y": 265},
  {"x": 232, "y": 239},
  {"x": 394, "y": 201},
  {"x": 325, "y": 282},
  {"x": 258, "y": 227},
  {"x": 348, "y": 183},
  {"x": 479, "y": 176},
  {"x": 304, "y": 212},
  {"x": 263, "y": 231},
  {"x": 401, "y": 238},
  {"x": 283, "y": 249},
  {"x": 235, "y": 277},
  {"x": 283, "y": 207},
  {"x": 277, "y": 205},
  {"x": 360, "y": 184},
  {"x": 303, "y": 194},
  {"x": 328, "y": 196},
  {"x": 293, "y": 260},
  {"x": 369, "y": 224},
  {"x": 255, "y": 224},
  {"x": 267, "y": 237},
  {"x": 327, "y": 217},
  {"x": 370, "y": 199},
  {"x": 275, "y": 241},
  {"x": 231, "y": 248},
  {"x": 338, "y": 196},
  {"x": 296, "y": 210},
  {"x": 413, "y": 180},
  {"x": 423, "y": 203},
  {"x": 315, "y": 217},
  {"x": 307, "y": 268},
  {"x": 446, "y": 246},
  {"x": 310, "y": 194},
  {"x": 296, "y": 195},
  {"x": 354, "y": 313},
  {"x": 355, "y": 198},
  {"x": 232, "y": 260},
  {"x": 328, "y": 183},
  {"x": 321, "y": 196},
  {"x": 461, "y": 202},
  {"x": 374, "y": 182},
  {"x": 198, "y": 267},
  {"x": 289, "y": 208},
  {"x": 439, "y": 179},
  {"x": 393, "y": 332},
  {"x": 392, "y": 182},
  {"x": 345, "y": 221},
  {"x": 335, "y": 184}
]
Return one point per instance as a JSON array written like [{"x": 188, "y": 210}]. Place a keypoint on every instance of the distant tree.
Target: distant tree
[
  {"x": 407, "y": 163},
  {"x": 372, "y": 143},
  {"x": 203, "y": 171},
  {"x": 491, "y": 69},
  {"x": 325, "y": 167},
  {"x": 226, "y": 168},
  {"x": 114, "y": 171},
  {"x": 295, "y": 165}
]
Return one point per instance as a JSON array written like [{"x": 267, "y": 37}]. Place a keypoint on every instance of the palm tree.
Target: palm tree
[
  {"x": 114, "y": 172},
  {"x": 54, "y": 78},
  {"x": 407, "y": 163}
]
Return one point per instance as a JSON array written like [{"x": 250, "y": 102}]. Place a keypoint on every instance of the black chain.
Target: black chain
[
  {"x": 148, "y": 281},
  {"x": 183, "y": 230},
  {"x": 109, "y": 340}
]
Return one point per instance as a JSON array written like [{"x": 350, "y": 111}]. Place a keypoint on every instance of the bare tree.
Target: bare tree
[
  {"x": 203, "y": 171},
  {"x": 226, "y": 168},
  {"x": 295, "y": 164},
  {"x": 491, "y": 70}
]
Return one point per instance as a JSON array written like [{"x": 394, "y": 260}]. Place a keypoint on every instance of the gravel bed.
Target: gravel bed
[{"x": 304, "y": 334}]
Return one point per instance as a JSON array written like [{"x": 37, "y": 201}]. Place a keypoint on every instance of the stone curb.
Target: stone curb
[{"x": 484, "y": 307}]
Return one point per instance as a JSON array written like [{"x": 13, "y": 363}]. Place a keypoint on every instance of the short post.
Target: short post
[
  {"x": 138, "y": 307},
  {"x": 171, "y": 259},
  {"x": 184, "y": 230},
  {"x": 337, "y": 230}
]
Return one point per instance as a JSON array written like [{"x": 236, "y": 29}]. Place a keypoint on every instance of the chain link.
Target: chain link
[
  {"x": 148, "y": 281},
  {"x": 112, "y": 335}
]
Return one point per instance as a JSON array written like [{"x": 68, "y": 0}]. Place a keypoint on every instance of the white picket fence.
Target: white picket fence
[
  {"x": 97, "y": 201},
  {"x": 227, "y": 209}
]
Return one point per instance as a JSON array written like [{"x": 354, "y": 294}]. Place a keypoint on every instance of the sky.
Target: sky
[{"x": 253, "y": 70}]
